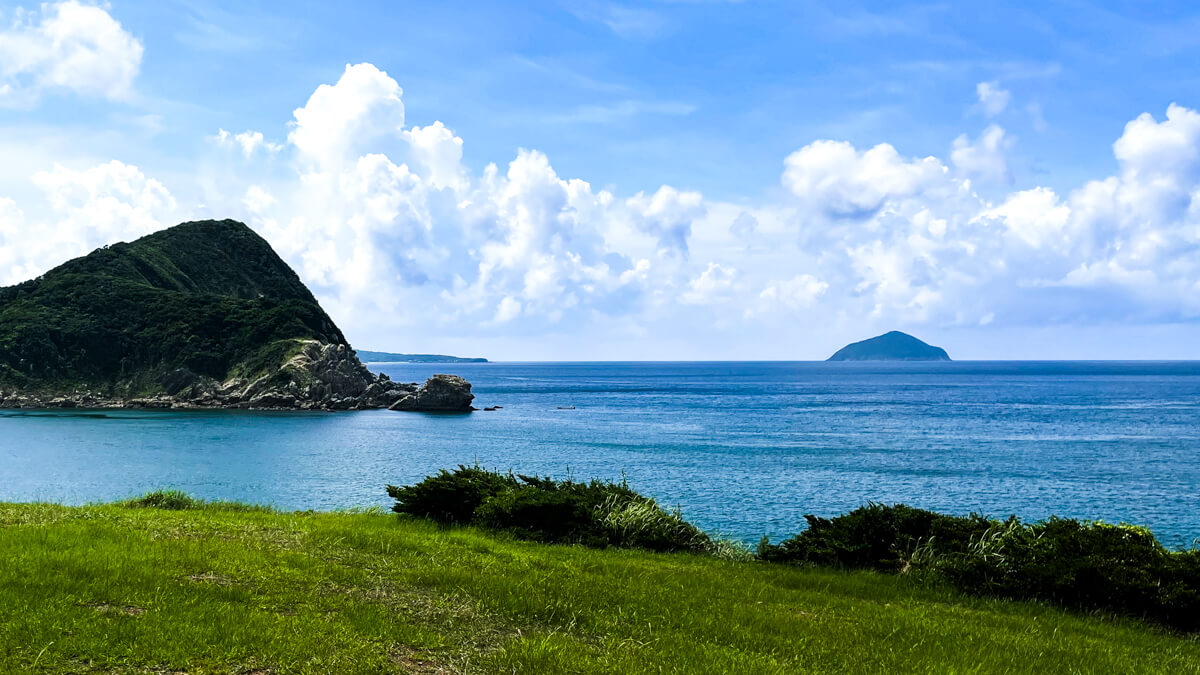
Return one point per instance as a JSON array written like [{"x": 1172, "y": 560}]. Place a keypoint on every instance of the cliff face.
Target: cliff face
[
  {"x": 893, "y": 346},
  {"x": 203, "y": 314}
]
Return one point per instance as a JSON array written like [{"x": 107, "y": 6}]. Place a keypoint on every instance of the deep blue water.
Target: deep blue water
[{"x": 744, "y": 448}]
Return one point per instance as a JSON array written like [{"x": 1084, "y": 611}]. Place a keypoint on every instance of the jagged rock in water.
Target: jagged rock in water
[{"x": 440, "y": 393}]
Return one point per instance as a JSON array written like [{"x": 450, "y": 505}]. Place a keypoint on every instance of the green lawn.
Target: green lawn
[{"x": 116, "y": 589}]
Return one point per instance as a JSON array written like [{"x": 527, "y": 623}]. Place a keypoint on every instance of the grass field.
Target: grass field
[{"x": 113, "y": 589}]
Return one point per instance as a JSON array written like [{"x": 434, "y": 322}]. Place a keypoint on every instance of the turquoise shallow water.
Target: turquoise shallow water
[{"x": 744, "y": 448}]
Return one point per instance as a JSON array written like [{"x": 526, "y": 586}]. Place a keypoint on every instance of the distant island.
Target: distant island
[
  {"x": 892, "y": 346},
  {"x": 200, "y": 315},
  {"x": 388, "y": 357}
]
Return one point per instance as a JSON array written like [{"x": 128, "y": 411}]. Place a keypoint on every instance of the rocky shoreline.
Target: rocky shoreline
[{"x": 319, "y": 376}]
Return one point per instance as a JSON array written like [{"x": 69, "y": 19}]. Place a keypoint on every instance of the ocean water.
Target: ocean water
[{"x": 745, "y": 449}]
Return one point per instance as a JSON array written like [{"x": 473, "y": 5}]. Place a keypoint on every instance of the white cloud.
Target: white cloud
[
  {"x": 986, "y": 159},
  {"x": 248, "y": 142},
  {"x": 992, "y": 99},
  {"x": 440, "y": 153},
  {"x": 339, "y": 121},
  {"x": 841, "y": 181},
  {"x": 399, "y": 237},
  {"x": 667, "y": 215},
  {"x": 1161, "y": 151},
  {"x": 1035, "y": 217},
  {"x": 509, "y": 309},
  {"x": 70, "y": 46},
  {"x": 258, "y": 200},
  {"x": 799, "y": 292},
  {"x": 714, "y": 283},
  {"x": 86, "y": 209}
]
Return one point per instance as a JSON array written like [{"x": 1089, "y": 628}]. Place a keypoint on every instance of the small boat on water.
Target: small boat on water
[{"x": 566, "y": 407}]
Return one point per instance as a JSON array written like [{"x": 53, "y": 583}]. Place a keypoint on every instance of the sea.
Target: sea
[{"x": 743, "y": 449}]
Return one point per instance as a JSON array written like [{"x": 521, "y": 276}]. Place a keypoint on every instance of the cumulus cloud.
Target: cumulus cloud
[
  {"x": 86, "y": 209},
  {"x": 836, "y": 178},
  {"x": 993, "y": 100},
  {"x": 385, "y": 221},
  {"x": 985, "y": 158},
  {"x": 248, "y": 142},
  {"x": 439, "y": 152},
  {"x": 799, "y": 292},
  {"x": 713, "y": 284},
  {"x": 399, "y": 237},
  {"x": 257, "y": 199},
  {"x": 1035, "y": 217},
  {"x": 342, "y": 120},
  {"x": 68, "y": 46},
  {"x": 667, "y": 215}
]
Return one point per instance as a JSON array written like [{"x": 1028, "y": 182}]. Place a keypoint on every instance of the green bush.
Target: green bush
[
  {"x": 1087, "y": 565},
  {"x": 595, "y": 513},
  {"x": 547, "y": 511},
  {"x": 450, "y": 497},
  {"x": 1084, "y": 565},
  {"x": 876, "y": 536}
]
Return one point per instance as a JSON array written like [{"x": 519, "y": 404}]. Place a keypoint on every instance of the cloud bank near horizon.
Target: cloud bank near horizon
[{"x": 398, "y": 237}]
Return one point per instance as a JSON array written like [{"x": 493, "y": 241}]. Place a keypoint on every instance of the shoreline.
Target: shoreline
[{"x": 166, "y": 403}]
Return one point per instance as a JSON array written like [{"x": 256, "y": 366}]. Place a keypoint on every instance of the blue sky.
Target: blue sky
[{"x": 732, "y": 194}]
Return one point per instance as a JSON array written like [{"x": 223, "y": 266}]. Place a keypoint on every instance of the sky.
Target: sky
[{"x": 666, "y": 180}]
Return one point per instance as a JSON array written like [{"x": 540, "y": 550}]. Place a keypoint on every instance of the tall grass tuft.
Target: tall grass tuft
[
  {"x": 167, "y": 500},
  {"x": 639, "y": 522},
  {"x": 178, "y": 500}
]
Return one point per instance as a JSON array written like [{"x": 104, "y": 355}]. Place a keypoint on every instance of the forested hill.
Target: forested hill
[
  {"x": 891, "y": 346},
  {"x": 203, "y": 297}
]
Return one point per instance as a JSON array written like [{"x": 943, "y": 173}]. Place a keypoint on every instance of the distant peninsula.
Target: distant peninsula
[
  {"x": 892, "y": 346},
  {"x": 200, "y": 315},
  {"x": 388, "y": 357}
]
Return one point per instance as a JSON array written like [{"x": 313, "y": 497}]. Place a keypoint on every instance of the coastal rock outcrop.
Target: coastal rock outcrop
[
  {"x": 317, "y": 376},
  {"x": 440, "y": 393}
]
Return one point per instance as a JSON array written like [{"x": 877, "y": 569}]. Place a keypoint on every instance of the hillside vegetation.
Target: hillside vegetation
[
  {"x": 186, "y": 587},
  {"x": 205, "y": 297}
]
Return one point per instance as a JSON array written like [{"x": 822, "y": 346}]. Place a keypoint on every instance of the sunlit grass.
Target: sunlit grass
[{"x": 206, "y": 588}]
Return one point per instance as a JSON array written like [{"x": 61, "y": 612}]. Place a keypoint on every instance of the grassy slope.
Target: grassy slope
[{"x": 116, "y": 589}]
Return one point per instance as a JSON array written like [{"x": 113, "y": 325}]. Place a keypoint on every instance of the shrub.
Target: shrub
[
  {"x": 1084, "y": 565},
  {"x": 547, "y": 512},
  {"x": 595, "y": 513},
  {"x": 876, "y": 536},
  {"x": 450, "y": 497},
  {"x": 1087, "y": 565}
]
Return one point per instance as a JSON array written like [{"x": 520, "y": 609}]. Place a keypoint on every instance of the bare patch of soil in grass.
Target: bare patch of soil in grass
[
  {"x": 127, "y": 610},
  {"x": 212, "y": 578}
]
